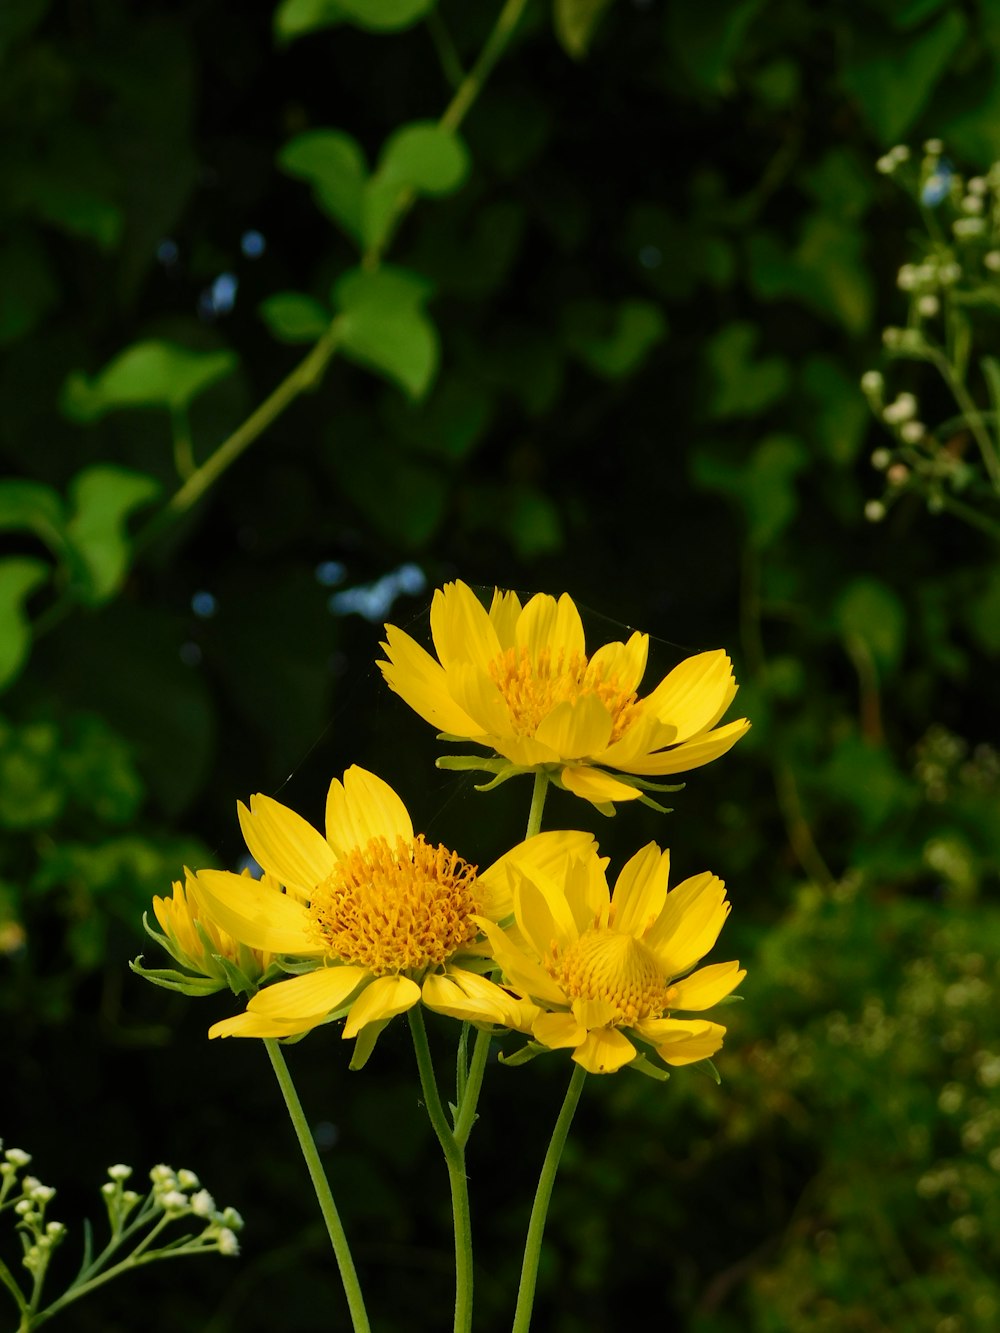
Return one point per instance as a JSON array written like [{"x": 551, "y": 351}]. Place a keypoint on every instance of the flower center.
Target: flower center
[
  {"x": 396, "y": 909},
  {"x": 532, "y": 688},
  {"x": 609, "y": 965}
]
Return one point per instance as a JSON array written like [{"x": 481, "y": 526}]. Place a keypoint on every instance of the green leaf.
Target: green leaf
[
  {"x": 334, "y": 165},
  {"x": 635, "y": 328},
  {"x": 706, "y": 39},
  {"x": 384, "y": 328},
  {"x": 893, "y": 81},
  {"x": 575, "y": 23},
  {"x": 29, "y": 506},
  {"x": 424, "y": 157},
  {"x": 148, "y": 374},
  {"x": 743, "y": 387},
  {"x": 825, "y": 271},
  {"x": 872, "y": 612},
  {"x": 643, "y": 1065},
  {"x": 840, "y": 413},
  {"x": 102, "y": 497},
  {"x": 293, "y": 18},
  {"x": 294, "y": 317},
  {"x": 763, "y": 486},
  {"x": 19, "y": 577}
]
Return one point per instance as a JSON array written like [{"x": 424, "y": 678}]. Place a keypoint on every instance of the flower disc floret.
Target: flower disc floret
[
  {"x": 519, "y": 681},
  {"x": 399, "y": 908}
]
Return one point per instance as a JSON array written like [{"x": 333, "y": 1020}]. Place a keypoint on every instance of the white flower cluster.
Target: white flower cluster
[
  {"x": 179, "y": 1194},
  {"x": 29, "y": 1205}
]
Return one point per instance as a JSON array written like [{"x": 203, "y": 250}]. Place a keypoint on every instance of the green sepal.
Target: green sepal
[
  {"x": 645, "y": 785},
  {"x": 170, "y": 979},
  {"x": 707, "y": 1067},
  {"x": 511, "y": 771},
  {"x": 451, "y": 738},
  {"x": 526, "y": 1053},
  {"x": 239, "y": 982},
  {"x": 286, "y": 966},
  {"x": 655, "y": 805},
  {"x": 463, "y": 762},
  {"x": 365, "y": 1043},
  {"x": 728, "y": 999},
  {"x": 642, "y": 1065}
]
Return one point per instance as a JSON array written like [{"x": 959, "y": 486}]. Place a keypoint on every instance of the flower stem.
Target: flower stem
[
  {"x": 538, "y": 794},
  {"x": 454, "y": 1156},
  {"x": 324, "y": 1195},
  {"x": 540, "y": 1208}
]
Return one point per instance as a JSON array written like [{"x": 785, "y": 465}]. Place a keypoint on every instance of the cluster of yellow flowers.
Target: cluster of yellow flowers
[{"x": 373, "y": 919}]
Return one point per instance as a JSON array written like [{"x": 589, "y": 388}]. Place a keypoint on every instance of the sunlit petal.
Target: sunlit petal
[
  {"x": 383, "y": 998},
  {"x": 285, "y": 844}
]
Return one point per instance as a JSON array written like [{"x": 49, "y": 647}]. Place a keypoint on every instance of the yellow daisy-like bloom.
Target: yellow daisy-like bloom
[
  {"x": 518, "y": 680},
  {"x": 382, "y": 916},
  {"x": 609, "y": 970}
]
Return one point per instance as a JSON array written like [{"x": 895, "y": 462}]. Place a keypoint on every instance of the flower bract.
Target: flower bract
[
  {"x": 518, "y": 680},
  {"x": 609, "y": 972},
  {"x": 373, "y": 917}
]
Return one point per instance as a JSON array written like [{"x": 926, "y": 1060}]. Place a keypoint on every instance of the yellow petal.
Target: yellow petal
[
  {"x": 477, "y": 695},
  {"x": 543, "y": 858},
  {"x": 641, "y": 890},
  {"x": 595, "y": 785},
  {"x": 310, "y": 997},
  {"x": 504, "y": 613},
  {"x": 544, "y": 919},
  {"x": 256, "y": 914},
  {"x": 524, "y": 974},
  {"x": 594, "y": 1013},
  {"x": 558, "y": 1031},
  {"x": 523, "y": 750},
  {"x": 695, "y": 694},
  {"x": 707, "y": 986},
  {"x": 576, "y": 728},
  {"x": 364, "y": 807},
  {"x": 604, "y": 1051},
  {"x": 547, "y": 624},
  {"x": 681, "y": 1043},
  {"x": 692, "y": 754},
  {"x": 643, "y": 734},
  {"x": 421, "y": 682},
  {"x": 384, "y": 998},
  {"x": 626, "y": 662},
  {"x": 461, "y": 628},
  {"x": 689, "y": 925},
  {"x": 253, "y": 1025},
  {"x": 472, "y": 998},
  {"x": 585, "y": 889},
  {"x": 285, "y": 844}
]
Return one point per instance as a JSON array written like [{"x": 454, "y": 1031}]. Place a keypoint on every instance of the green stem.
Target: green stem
[
  {"x": 972, "y": 416},
  {"x": 306, "y": 375},
  {"x": 540, "y": 1208},
  {"x": 970, "y": 515},
  {"x": 454, "y": 1156},
  {"x": 7, "y": 1278},
  {"x": 183, "y": 447},
  {"x": 469, "y": 1097},
  {"x": 324, "y": 1196},
  {"x": 447, "y": 53},
  {"x": 538, "y": 794}
]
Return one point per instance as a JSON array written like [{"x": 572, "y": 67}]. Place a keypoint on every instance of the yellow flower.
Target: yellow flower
[
  {"x": 211, "y": 957},
  {"x": 519, "y": 681},
  {"x": 608, "y": 971},
  {"x": 376, "y": 914}
]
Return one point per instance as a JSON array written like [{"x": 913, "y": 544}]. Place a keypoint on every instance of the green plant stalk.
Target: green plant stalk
[
  {"x": 7, "y": 1278},
  {"x": 454, "y": 1156},
  {"x": 971, "y": 415},
  {"x": 540, "y": 1207},
  {"x": 469, "y": 1097},
  {"x": 324, "y": 1195}
]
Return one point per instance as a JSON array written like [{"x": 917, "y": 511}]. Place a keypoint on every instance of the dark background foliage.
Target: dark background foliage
[{"x": 655, "y": 292}]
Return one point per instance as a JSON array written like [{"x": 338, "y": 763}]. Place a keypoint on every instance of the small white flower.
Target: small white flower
[
  {"x": 949, "y": 273},
  {"x": 872, "y": 382},
  {"x": 906, "y": 278},
  {"x": 901, "y": 410},
  {"x": 119, "y": 1171},
  {"x": 972, "y": 203},
  {"x": 978, "y": 185},
  {"x": 886, "y": 165},
  {"x": 928, "y": 306},
  {"x": 17, "y": 1156},
  {"x": 933, "y": 147},
  {"x": 202, "y": 1204},
  {"x": 43, "y": 1193},
  {"x": 874, "y": 511},
  {"x": 187, "y": 1180},
  {"x": 898, "y": 474},
  {"x": 232, "y": 1219},
  {"x": 968, "y": 226},
  {"x": 913, "y": 431},
  {"x": 992, "y": 260},
  {"x": 173, "y": 1201}
]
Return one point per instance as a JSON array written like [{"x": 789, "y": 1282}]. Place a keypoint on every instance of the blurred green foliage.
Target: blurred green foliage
[{"x": 615, "y": 348}]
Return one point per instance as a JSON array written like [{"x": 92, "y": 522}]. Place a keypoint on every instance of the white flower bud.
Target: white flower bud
[
  {"x": 109, "y": 1189},
  {"x": 43, "y": 1193},
  {"x": 55, "y": 1230},
  {"x": 228, "y": 1244},
  {"x": 130, "y": 1198},
  {"x": 872, "y": 382},
  {"x": 202, "y": 1204},
  {"x": 232, "y": 1219},
  {"x": 913, "y": 431},
  {"x": 892, "y": 336},
  {"x": 928, "y": 306},
  {"x": 901, "y": 410},
  {"x": 880, "y": 459},
  {"x": 119, "y": 1172},
  {"x": 906, "y": 278},
  {"x": 977, "y": 185},
  {"x": 992, "y": 260},
  {"x": 17, "y": 1156},
  {"x": 886, "y": 165},
  {"x": 933, "y": 147},
  {"x": 173, "y": 1201},
  {"x": 24, "y": 1207},
  {"x": 901, "y": 153},
  {"x": 898, "y": 474},
  {"x": 972, "y": 203},
  {"x": 949, "y": 273},
  {"x": 187, "y": 1180}
]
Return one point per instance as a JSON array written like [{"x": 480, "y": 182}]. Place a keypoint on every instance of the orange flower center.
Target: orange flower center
[
  {"x": 610, "y": 965},
  {"x": 532, "y": 687},
  {"x": 397, "y": 909}
]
